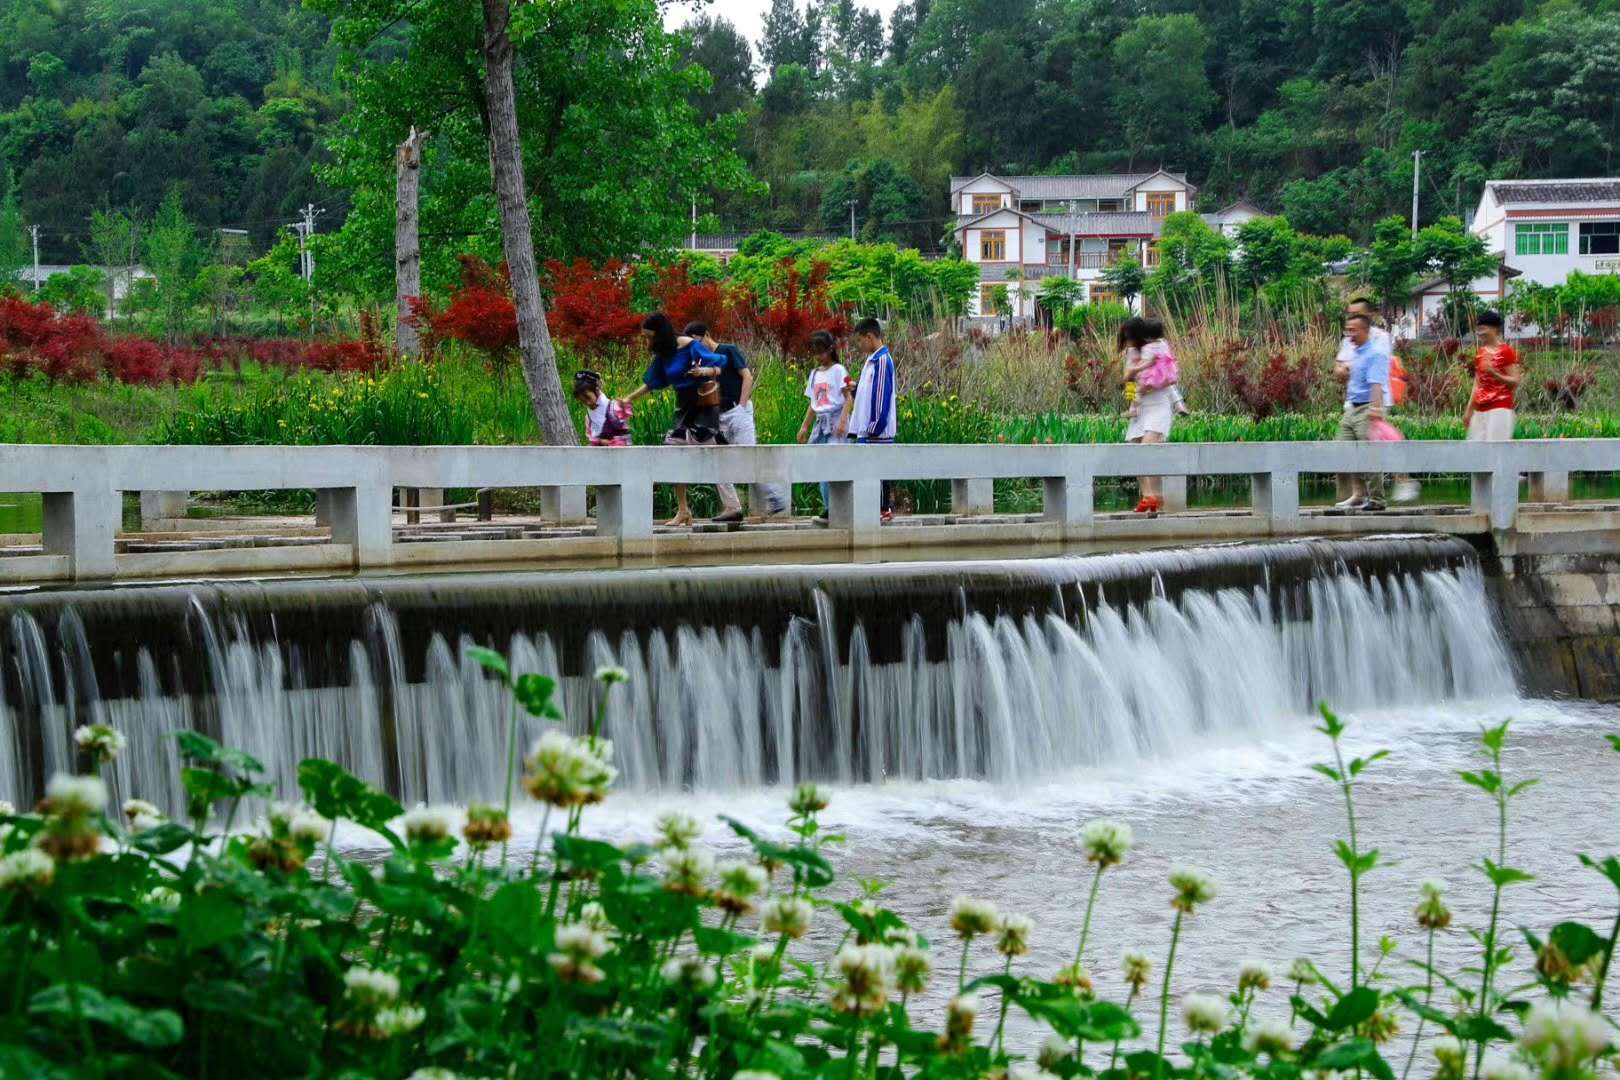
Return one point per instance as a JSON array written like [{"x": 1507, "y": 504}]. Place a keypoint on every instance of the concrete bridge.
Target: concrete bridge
[{"x": 82, "y": 489}]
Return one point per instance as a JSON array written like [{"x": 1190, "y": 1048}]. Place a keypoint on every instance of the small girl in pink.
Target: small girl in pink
[{"x": 607, "y": 421}]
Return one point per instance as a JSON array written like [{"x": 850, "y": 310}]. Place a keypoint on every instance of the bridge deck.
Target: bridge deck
[{"x": 355, "y": 489}]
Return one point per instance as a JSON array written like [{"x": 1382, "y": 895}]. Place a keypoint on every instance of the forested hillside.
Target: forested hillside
[
  {"x": 1310, "y": 107},
  {"x": 110, "y": 103}
]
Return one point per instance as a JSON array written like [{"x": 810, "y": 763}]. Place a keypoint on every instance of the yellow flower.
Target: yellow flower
[{"x": 422, "y": 395}]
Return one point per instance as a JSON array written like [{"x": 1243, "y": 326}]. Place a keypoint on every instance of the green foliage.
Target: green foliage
[
  {"x": 1161, "y": 89},
  {"x": 82, "y": 291},
  {"x": 14, "y": 252},
  {"x": 174, "y": 257},
  {"x": 1389, "y": 266},
  {"x": 1193, "y": 258},
  {"x": 1125, "y": 278}
]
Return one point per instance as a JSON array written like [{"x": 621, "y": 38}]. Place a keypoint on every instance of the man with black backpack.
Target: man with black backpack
[{"x": 736, "y": 421}]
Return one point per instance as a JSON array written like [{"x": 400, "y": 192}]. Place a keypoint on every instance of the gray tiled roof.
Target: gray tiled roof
[
  {"x": 1127, "y": 223},
  {"x": 1091, "y": 186},
  {"x": 1557, "y": 191}
]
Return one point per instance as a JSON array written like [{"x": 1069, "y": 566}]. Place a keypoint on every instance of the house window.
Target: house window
[
  {"x": 993, "y": 245},
  {"x": 987, "y": 299},
  {"x": 1542, "y": 238},
  {"x": 1150, "y": 254},
  {"x": 1030, "y": 206},
  {"x": 1101, "y": 294},
  {"x": 1111, "y": 206},
  {"x": 1160, "y": 203},
  {"x": 1600, "y": 237},
  {"x": 984, "y": 204}
]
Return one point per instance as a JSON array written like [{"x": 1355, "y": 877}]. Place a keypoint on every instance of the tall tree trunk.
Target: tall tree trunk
[
  {"x": 517, "y": 238},
  {"x": 407, "y": 243}
]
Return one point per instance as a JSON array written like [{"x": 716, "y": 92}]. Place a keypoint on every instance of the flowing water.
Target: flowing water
[{"x": 968, "y": 717}]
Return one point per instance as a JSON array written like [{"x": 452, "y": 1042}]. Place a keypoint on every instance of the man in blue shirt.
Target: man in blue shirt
[{"x": 1366, "y": 392}]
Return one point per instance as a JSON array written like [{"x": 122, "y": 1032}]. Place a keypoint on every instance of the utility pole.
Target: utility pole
[
  {"x": 851, "y": 218},
  {"x": 1417, "y": 168},
  {"x": 33, "y": 230},
  {"x": 306, "y": 257},
  {"x": 693, "y": 245}
]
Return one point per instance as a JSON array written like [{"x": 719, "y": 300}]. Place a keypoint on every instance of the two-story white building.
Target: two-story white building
[
  {"x": 1023, "y": 229},
  {"x": 1540, "y": 230}
]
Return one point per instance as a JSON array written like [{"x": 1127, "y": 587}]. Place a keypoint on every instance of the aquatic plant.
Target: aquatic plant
[{"x": 131, "y": 944}]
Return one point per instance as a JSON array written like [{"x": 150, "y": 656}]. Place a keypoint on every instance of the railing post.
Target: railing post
[
  {"x": 625, "y": 510},
  {"x": 1496, "y": 494},
  {"x": 82, "y": 525},
  {"x": 363, "y": 516},
  {"x": 973, "y": 498},
  {"x": 1275, "y": 496},
  {"x": 162, "y": 506},
  {"x": 562, "y": 505},
  {"x": 1174, "y": 490},
  {"x": 1069, "y": 499},
  {"x": 1549, "y": 487},
  {"x": 856, "y": 505}
]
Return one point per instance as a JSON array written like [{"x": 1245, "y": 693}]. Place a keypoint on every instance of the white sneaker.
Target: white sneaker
[
  {"x": 1354, "y": 502},
  {"x": 1407, "y": 491}
]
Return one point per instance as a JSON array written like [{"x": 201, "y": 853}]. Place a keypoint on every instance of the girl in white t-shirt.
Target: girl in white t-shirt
[{"x": 829, "y": 389}]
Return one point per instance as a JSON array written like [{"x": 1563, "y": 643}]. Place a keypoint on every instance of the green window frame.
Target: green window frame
[{"x": 1541, "y": 238}]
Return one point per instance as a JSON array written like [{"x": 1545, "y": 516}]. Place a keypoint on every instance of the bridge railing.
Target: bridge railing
[{"x": 82, "y": 485}]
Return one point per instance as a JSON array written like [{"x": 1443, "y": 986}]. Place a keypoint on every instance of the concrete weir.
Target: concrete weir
[{"x": 357, "y": 510}]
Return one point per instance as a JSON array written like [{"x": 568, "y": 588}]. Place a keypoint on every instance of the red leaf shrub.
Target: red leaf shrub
[
  {"x": 1094, "y": 382},
  {"x": 66, "y": 348},
  {"x": 1435, "y": 381},
  {"x": 685, "y": 302},
  {"x": 1278, "y": 385},
  {"x": 1566, "y": 391},
  {"x": 137, "y": 361},
  {"x": 590, "y": 308},
  {"x": 798, "y": 307}
]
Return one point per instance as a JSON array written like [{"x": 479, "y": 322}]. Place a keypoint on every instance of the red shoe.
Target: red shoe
[
  {"x": 1144, "y": 506},
  {"x": 888, "y": 515}
]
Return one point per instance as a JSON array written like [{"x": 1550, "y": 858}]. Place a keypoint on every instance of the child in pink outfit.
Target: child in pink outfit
[{"x": 607, "y": 421}]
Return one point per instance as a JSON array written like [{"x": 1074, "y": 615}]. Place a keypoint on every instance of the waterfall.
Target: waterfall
[{"x": 851, "y": 674}]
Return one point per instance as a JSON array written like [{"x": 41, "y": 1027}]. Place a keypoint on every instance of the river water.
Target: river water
[{"x": 1249, "y": 811}]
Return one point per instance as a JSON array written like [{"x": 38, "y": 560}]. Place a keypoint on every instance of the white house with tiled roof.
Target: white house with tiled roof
[
  {"x": 1540, "y": 231},
  {"x": 1023, "y": 229}
]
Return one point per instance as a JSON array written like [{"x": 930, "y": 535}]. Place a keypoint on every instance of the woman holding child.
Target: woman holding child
[
  {"x": 684, "y": 365},
  {"x": 1151, "y": 367}
]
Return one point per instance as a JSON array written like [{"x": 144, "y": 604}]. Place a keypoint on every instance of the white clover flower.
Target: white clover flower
[
  {"x": 134, "y": 808},
  {"x": 763, "y": 952},
  {"x": 76, "y": 796},
  {"x": 308, "y": 827},
  {"x": 610, "y": 674},
  {"x": 1105, "y": 842},
  {"x": 7, "y": 809},
  {"x": 738, "y": 884},
  {"x": 1302, "y": 972},
  {"x": 428, "y": 824},
  {"x": 1498, "y": 1067},
  {"x": 29, "y": 868},
  {"x": 1193, "y": 887},
  {"x": 1564, "y": 1033},
  {"x": 1272, "y": 1038},
  {"x": 960, "y": 1012},
  {"x": 1137, "y": 968},
  {"x": 1024, "y": 1070},
  {"x": 689, "y": 972},
  {"x": 101, "y": 741},
  {"x": 912, "y": 968},
  {"x": 393, "y": 1020},
  {"x": 1012, "y": 936},
  {"x": 582, "y": 940},
  {"x": 788, "y": 915},
  {"x": 866, "y": 979},
  {"x": 677, "y": 830},
  {"x": 280, "y": 815},
  {"x": 1054, "y": 1049},
  {"x": 433, "y": 1072},
  {"x": 687, "y": 870},
  {"x": 900, "y": 935},
  {"x": 806, "y": 799},
  {"x": 971, "y": 918},
  {"x": 161, "y": 896},
  {"x": 368, "y": 986},
  {"x": 754, "y": 1074},
  {"x": 566, "y": 771},
  {"x": 1076, "y": 978},
  {"x": 594, "y": 915},
  {"x": 1254, "y": 975},
  {"x": 1205, "y": 1014}
]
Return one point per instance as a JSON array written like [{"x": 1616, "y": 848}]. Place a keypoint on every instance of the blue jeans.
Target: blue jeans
[{"x": 820, "y": 434}]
